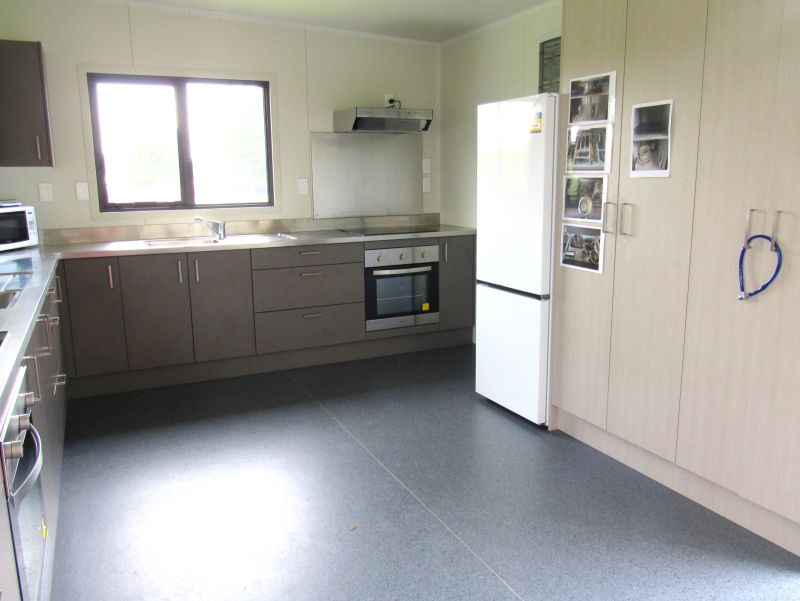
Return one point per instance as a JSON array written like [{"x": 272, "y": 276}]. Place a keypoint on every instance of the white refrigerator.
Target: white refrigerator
[{"x": 516, "y": 200}]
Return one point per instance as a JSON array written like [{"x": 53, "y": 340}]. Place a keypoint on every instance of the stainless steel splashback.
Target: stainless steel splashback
[{"x": 366, "y": 175}]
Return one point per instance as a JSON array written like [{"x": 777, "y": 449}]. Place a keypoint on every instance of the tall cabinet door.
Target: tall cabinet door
[
  {"x": 222, "y": 304},
  {"x": 725, "y": 350},
  {"x": 158, "y": 320},
  {"x": 582, "y": 300},
  {"x": 456, "y": 282},
  {"x": 651, "y": 269},
  {"x": 771, "y": 470},
  {"x": 95, "y": 306}
]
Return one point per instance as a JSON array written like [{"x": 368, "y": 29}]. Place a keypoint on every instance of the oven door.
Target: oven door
[{"x": 403, "y": 296}]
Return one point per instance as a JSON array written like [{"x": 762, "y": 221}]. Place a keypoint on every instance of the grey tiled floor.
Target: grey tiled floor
[{"x": 386, "y": 479}]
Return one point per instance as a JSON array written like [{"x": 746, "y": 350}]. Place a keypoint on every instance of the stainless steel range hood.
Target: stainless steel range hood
[{"x": 382, "y": 120}]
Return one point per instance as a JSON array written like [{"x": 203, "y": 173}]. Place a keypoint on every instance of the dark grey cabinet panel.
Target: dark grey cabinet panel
[
  {"x": 300, "y": 256},
  {"x": 158, "y": 320},
  {"x": 401, "y": 243},
  {"x": 456, "y": 282},
  {"x": 222, "y": 304},
  {"x": 278, "y": 289},
  {"x": 25, "y": 139},
  {"x": 95, "y": 307},
  {"x": 306, "y": 328}
]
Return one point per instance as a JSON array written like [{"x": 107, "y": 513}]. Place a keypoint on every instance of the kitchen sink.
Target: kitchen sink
[
  {"x": 172, "y": 242},
  {"x": 8, "y": 298}
]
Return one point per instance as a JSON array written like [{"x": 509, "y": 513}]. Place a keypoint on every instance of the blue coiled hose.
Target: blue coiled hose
[{"x": 744, "y": 294}]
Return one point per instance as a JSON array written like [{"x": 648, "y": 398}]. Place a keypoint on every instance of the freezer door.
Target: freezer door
[
  {"x": 512, "y": 342},
  {"x": 516, "y": 191}
]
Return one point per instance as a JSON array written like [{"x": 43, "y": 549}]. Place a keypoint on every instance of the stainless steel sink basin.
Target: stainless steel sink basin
[
  {"x": 172, "y": 242},
  {"x": 8, "y": 298}
]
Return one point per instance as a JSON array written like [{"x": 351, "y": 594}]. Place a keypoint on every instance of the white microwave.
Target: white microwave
[{"x": 18, "y": 227}]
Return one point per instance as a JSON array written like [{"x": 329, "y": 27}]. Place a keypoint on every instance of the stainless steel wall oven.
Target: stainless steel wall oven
[{"x": 401, "y": 287}]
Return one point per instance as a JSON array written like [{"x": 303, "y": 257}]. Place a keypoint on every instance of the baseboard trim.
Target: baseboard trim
[
  {"x": 767, "y": 524},
  {"x": 243, "y": 366}
]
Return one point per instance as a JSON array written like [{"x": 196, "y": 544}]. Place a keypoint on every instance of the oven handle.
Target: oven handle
[
  {"x": 17, "y": 496},
  {"x": 402, "y": 271}
]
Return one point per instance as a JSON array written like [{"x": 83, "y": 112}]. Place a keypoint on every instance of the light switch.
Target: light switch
[
  {"x": 302, "y": 186},
  {"x": 46, "y": 192},
  {"x": 426, "y": 165},
  {"x": 426, "y": 184},
  {"x": 81, "y": 190}
]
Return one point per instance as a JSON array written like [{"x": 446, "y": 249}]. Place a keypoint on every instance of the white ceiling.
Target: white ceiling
[{"x": 427, "y": 20}]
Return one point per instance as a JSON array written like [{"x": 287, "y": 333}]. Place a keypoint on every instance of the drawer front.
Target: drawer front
[
  {"x": 299, "y": 256},
  {"x": 405, "y": 243},
  {"x": 279, "y": 289},
  {"x": 306, "y": 328}
]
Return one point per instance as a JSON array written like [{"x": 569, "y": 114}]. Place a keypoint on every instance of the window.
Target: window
[
  {"x": 180, "y": 143},
  {"x": 550, "y": 65}
]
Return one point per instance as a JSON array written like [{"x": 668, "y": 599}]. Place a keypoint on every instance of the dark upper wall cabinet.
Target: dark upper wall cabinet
[{"x": 24, "y": 127}]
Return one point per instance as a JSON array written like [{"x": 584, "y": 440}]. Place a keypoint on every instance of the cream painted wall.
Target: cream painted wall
[
  {"x": 495, "y": 63},
  {"x": 314, "y": 72}
]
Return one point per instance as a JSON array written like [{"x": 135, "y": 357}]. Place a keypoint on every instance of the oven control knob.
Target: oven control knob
[
  {"x": 378, "y": 258},
  {"x": 423, "y": 254},
  {"x": 29, "y": 398},
  {"x": 12, "y": 450},
  {"x": 402, "y": 256},
  {"x": 23, "y": 421}
]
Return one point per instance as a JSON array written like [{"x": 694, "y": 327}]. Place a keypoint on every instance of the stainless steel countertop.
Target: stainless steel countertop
[
  {"x": 246, "y": 241},
  {"x": 19, "y": 320}
]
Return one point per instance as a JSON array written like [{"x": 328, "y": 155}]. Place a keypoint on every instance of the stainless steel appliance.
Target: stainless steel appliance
[
  {"x": 401, "y": 287},
  {"x": 17, "y": 227},
  {"x": 385, "y": 120},
  {"x": 22, "y": 459}
]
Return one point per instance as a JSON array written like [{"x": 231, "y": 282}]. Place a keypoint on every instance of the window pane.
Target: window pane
[
  {"x": 138, "y": 136},
  {"x": 228, "y": 145}
]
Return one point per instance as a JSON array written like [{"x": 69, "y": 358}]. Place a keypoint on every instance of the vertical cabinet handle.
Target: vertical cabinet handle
[
  {"x": 46, "y": 351},
  {"x": 196, "y": 271},
  {"x": 605, "y": 216},
  {"x": 445, "y": 252},
  {"x": 56, "y": 290},
  {"x": 38, "y": 148},
  {"x": 110, "y": 277},
  {"x": 180, "y": 272},
  {"x": 37, "y": 396},
  {"x": 622, "y": 230}
]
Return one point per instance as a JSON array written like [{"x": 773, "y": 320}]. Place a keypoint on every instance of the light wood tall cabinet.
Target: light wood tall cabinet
[
  {"x": 593, "y": 42},
  {"x": 651, "y": 263},
  {"x": 739, "y": 407}
]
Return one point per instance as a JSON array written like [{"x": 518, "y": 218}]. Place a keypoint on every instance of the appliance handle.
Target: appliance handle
[
  {"x": 17, "y": 496},
  {"x": 402, "y": 271}
]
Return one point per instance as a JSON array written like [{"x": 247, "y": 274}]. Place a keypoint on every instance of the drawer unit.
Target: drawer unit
[
  {"x": 310, "y": 327},
  {"x": 292, "y": 288},
  {"x": 300, "y": 256}
]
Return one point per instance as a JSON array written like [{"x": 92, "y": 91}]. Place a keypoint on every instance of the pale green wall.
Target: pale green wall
[
  {"x": 495, "y": 63},
  {"x": 315, "y": 72}
]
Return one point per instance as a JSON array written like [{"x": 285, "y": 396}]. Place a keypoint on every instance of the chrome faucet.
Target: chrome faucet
[{"x": 217, "y": 227}]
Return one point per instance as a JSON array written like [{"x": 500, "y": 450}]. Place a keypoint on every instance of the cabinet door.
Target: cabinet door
[
  {"x": 651, "y": 268},
  {"x": 158, "y": 320},
  {"x": 23, "y": 120},
  {"x": 593, "y": 42},
  {"x": 95, "y": 306},
  {"x": 457, "y": 282},
  {"x": 222, "y": 304},
  {"x": 724, "y": 362}
]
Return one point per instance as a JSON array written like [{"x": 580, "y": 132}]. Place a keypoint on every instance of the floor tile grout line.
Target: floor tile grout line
[{"x": 407, "y": 489}]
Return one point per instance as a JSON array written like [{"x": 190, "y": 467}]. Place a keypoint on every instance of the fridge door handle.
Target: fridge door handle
[{"x": 622, "y": 230}]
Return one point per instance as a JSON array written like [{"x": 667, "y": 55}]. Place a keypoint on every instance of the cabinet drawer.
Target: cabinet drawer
[
  {"x": 299, "y": 256},
  {"x": 278, "y": 289},
  {"x": 305, "y": 328}
]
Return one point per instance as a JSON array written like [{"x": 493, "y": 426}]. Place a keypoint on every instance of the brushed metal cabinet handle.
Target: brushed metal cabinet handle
[
  {"x": 110, "y": 277},
  {"x": 196, "y": 270},
  {"x": 38, "y": 148},
  {"x": 312, "y": 316},
  {"x": 310, "y": 274},
  {"x": 35, "y": 362},
  {"x": 446, "y": 258},
  {"x": 308, "y": 253},
  {"x": 180, "y": 272},
  {"x": 46, "y": 351},
  {"x": 605, "y": 217},
  {"x": 56, "y": 290}
]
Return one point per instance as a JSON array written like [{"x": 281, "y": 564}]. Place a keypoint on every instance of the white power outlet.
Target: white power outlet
[
  {"x": 81, "y": 190},
  {"x": 387, "y": 96},
  {"x": 45, "y": 192},
  {"x": 302, "y": 186},
  {"x": 426, "y": 185}
]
